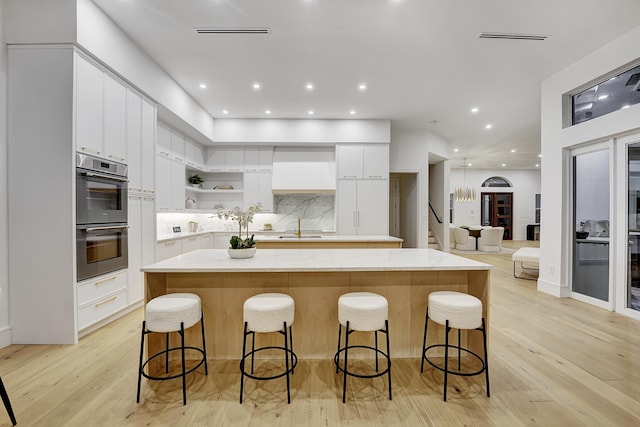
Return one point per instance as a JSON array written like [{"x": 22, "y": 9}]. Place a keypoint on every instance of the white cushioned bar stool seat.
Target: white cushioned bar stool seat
[
  {"x": 172, "y": 313},
  {"x": 366, "y": 312},
  {"x": 455, "y": 310},
  {"x": 265, "y": 313}
]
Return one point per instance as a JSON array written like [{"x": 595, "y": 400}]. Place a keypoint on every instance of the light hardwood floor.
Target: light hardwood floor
[{"x": 553, "y": 362}]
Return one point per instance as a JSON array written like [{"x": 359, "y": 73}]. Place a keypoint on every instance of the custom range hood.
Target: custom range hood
[{"x": 304, "y": 170}]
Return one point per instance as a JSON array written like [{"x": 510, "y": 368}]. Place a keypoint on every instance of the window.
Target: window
[
  {"x": 538, "y": 208},
  {"x": 496, "y": 181},
  {"x": 615, "y": 93}
]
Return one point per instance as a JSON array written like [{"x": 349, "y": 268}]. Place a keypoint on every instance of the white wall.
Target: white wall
[
  {"x": 409, "y": 151},
  {"x": 5, "y": 332},
  {"x": 556, "y": 141},
  {"x": 526, "y": 183}
]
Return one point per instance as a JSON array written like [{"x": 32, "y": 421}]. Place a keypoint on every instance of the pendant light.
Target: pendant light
[{"x": 464, "y": 193}]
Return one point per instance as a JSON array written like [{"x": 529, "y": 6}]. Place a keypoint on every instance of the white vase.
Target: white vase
[{"x": 242, "y": 253}]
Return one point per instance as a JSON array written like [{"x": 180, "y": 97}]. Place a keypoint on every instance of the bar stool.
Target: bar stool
[
  {"x": 7, "y": 403},
  {"x": 455, "y": 310},
  {"x": 266, "y": 313},
  {"x": 368, "y": 312},
  {"x": 172, "y": 313}
]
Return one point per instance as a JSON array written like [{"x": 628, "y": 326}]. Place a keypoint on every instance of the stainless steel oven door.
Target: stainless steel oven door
[
  {"x": 101, "y": 249},
  {"x": 100, "y": 198}
]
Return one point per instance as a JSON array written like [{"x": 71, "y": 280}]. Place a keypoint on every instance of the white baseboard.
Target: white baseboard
[
  {"x": 553, "y": 289},
  {"x": 5, "y": 337}
]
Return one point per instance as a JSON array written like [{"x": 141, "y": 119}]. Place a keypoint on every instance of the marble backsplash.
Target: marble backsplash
[{"x": 316, "y": 212}]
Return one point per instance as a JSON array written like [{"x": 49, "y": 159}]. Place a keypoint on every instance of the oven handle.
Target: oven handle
[
  {"x": 115, "y": 227},
  {"x": 99, "y": 175}
]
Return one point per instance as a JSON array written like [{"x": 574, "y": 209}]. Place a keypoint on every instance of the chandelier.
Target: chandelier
[{"x": 464, "y": 193}]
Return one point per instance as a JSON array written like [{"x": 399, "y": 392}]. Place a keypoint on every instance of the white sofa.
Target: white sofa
[
  {"x": 464, "y": 242},
  {"x": 490, "y": 239}
]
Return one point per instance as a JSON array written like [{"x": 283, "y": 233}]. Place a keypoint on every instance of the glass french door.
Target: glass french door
[
  {"x": 633, "y": 227},
  {"x": 591, "y": 224}
]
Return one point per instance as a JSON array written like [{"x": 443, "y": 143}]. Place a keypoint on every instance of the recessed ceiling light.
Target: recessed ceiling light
[
  {"x": 489, "y": 126},
  {"x": 310, "y": 112},
  {"x": 513, "y": 150},
  {"x": 309, "y": 86},
  {"x": 352, "y": 112},
  {"x": 225, "y": 111},
  {"x": 601, "y": 97},
  {"x": 267, "y": 111},
  {"x": 362, "y": 87},
  {"x": 504, "y": 164},
  {"x": 256, "y": 86},
  {"x": 203, "y": 86},
  {"x": 474, "y": 110},
  {"x": 537, "y": 165},
  {"x": 455, "y": 150}
]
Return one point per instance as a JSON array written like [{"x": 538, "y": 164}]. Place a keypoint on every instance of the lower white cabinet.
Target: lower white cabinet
[
  {"x": 100, "y": 297},
  {"x": 206, "y": 241},
  {"x": 168, "y": 249},
  {"x": 221, "y": 240},
  {"x": 363, "y": 206},
  {"x": 190, "y": 244},
  {"x": 141, "y": 217}
]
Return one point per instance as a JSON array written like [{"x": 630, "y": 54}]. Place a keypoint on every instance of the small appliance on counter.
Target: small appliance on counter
[
  {"x": 193, "y": 226},
  {"x": 190, "y": 203}
]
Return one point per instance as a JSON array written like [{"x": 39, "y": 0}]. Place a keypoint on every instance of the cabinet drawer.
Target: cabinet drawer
[
  {"x": 168, "y": 249},
  {"x": 98, "y": 310},
  {"x": 98, "y": 287}
]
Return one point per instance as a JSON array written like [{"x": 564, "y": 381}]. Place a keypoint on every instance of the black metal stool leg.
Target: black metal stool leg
[
  {"x": 459, "y": 350},
  {"x": 244, "y": 352},
  {"x": 486, "y": 356},
  {"x": 141, "y": 360},
  {"x": 386, "y": 323},
  {"x": 376, "y": 335},
  {"x": 346, "y": 351},
  {"x": 253, "y": 348},
  {"x": 184, "y": 374},
  {"x": 339, "y": 339},
  {"x": 166, "y": 357},
  {"x": 7, "y": 403},
  {"x": 446, "y": 357},
  {"x": 286, "y": 362},
  {"x": 291, "y": 347},
  {"x": 204, "y": 345},
  {"x": 424, "y": 340}
]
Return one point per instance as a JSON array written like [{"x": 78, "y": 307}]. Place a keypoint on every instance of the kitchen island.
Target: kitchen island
[
  {"x": 318, "y": 241},
  {"x": 315, "y": 278}
]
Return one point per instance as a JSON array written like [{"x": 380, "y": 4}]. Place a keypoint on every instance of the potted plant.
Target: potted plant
[
  {"x": 196, "y": 180},
  {"x": 239, "y": 247}
]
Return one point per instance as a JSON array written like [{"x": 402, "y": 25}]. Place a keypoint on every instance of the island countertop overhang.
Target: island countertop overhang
[{"x": 316, "y": 260}]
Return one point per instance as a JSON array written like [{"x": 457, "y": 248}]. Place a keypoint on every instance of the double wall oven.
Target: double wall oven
[{"x": 101, "y": 216}]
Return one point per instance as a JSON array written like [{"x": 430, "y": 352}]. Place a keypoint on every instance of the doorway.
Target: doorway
[
  {"x": 403, "y": 208},
  {"x": 496, "y": 210}
]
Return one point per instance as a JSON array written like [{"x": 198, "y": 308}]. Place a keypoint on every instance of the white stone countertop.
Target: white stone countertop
[
  {"x": 318, "y": 260},
  {"x": 287, "y": 237}
]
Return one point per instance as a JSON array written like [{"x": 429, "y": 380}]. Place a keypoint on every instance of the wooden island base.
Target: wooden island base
[{"x": 316, "y": 314}]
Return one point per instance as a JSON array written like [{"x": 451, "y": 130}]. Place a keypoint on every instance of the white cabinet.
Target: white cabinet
[
  {"x": 369, "y": 161},
  {"x": 257, "y": 189},
  {"x": 258, "y": 159},
  {"x": 101, "y": 297},
  {"x": 225, "y": 159},
  {"x": 163, "y": 143},
  {"x": 193, "y": 155},
  {"x": 221, "y": 240},
  {"x": 190, "y": 244},
  {"x": 206, "y": 241},
  {"x": 101, "y": 116},
  {"x": 362, "y": 206},
  {"x": 134, "y": 140},
  {"x": 168, "y": 249},
  {"x": 170, "y": 184},
  {"x": 147, "y": 145},
  {"x": 177, "y": 146},
  {"x": 89, "y": 107},
  {"x": 141, "y": 237}
]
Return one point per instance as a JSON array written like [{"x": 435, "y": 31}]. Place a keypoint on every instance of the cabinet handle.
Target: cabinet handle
[
  {"x": 164, "y": 153},
  {"x": 148, "y": 191},
  {"x": 149, "y": 199},
  {"x": 178, "y": 158},
  {"x": 111, "y": 156},
  {"x": 135, "y": 196},
  {"x": 110, "y": 279},
  {"x": 375, "y": 176},
  {"x": 192, "y": 238},
  {"x": 170, "y": 243},
  {"x": 90, "y": 150},
  {"x": 113, "y": 298},
  {"x": 348, "y": 176}
]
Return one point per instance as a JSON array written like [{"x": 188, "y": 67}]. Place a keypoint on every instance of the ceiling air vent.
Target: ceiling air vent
[
  {"x": 209, "y": 30},
  {"x": 512, "y": 36}
]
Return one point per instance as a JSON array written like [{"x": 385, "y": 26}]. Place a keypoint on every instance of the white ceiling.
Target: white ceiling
[{"x": 422, "y": 60}]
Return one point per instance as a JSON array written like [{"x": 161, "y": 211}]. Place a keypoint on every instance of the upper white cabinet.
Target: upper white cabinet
[
  {"x": 163, "y": 143},
  {"x": 367, "y": 161},
  {"x": 225, "y": 159},
  {"x": 101, "y": 112},
  {"x": 147, "y": 145},
  {"x": 134, "y": 139},
  {"x": 193, "y": 154},
  {"x": 177, "y": 146},
  {"x": 258, "y": 159},
  {"x": 170, "y": 184},
  {"x": 257, "y": 189}
]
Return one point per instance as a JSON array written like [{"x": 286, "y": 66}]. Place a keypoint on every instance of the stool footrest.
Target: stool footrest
[
  {"x": 178, "y": 375},
  {"x": 455, "y": 372},
  {"x": 336, "y": 360},
  {"x": 290, "y": 354}
]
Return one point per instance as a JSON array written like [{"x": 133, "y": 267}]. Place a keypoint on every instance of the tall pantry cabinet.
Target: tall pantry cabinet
[{"x": 61, "y": 102}]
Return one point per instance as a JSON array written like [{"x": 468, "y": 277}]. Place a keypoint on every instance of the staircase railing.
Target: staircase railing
[{"x": 433, "y": 211}]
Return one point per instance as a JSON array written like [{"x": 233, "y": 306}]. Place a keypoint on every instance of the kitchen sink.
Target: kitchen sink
[{"x": 295, "y": 236}]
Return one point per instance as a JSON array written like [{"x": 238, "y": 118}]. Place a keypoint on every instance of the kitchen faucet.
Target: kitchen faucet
[{"x": 299, "y": 230}]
